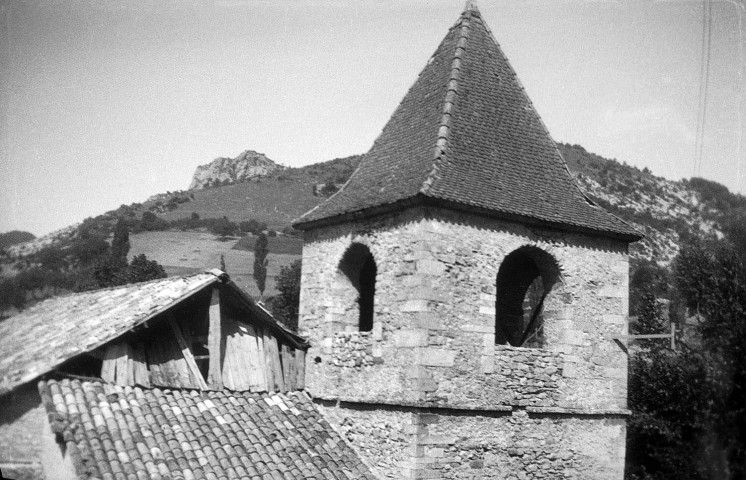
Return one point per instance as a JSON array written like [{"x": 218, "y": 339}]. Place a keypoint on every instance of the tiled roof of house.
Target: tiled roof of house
[
  {"x": 121, "y": 433},
  {"x": 467, "y": 136}
]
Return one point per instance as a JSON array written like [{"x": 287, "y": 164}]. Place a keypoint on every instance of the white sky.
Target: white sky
[{"x": 108, "y": 102}]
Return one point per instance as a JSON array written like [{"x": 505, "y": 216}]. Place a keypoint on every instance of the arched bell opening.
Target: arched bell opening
[
  {"x": 359, "y": 267},
  {"x": 524, "y": 281}
]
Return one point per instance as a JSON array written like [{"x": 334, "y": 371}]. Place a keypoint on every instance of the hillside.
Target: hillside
[{"x": 665, "y": 211}]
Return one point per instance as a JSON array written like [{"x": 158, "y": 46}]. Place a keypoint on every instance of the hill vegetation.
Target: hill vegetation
[{"x": 14, "y": 237}]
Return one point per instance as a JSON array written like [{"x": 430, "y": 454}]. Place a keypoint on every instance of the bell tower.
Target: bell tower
[{"x": 460, "y": 291}]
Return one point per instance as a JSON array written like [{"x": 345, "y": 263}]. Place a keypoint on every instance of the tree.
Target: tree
[
  {"x": 261, "y": 249},
  {"x": 285, "y": 304},
  {"x": 120, "y": 245},
  {"x": 689, "y": 405},
  {"x": 108, "y": 273},
  {"x": 224, "y": 227},
  {"x": 152, "y": 222},
  {"x": 141, "y": 269}
]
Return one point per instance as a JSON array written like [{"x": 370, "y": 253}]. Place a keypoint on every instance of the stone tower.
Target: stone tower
[{"x": 460, "y": 292}]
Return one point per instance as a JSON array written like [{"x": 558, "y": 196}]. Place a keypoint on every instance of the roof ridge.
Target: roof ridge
[
  {"x": 444, "y": 129},
  {"x": 117, "y": 287}
]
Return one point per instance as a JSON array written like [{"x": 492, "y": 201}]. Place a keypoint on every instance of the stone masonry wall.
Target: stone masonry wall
[
  {"x": 517, "y": 445},
  {"x": 432, "y": 342},
  {"x": 500, "y": 412}
]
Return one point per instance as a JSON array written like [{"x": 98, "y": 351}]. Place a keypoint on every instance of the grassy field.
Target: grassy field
[
  {"x": 280, "y": 245},
  {"x": 183, "y": 253}
]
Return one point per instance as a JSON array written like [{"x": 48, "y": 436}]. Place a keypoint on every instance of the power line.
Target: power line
[{"x": 704, "y": 82}]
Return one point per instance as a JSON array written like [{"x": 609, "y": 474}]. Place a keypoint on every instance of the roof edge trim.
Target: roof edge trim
[{"x": 421, "y": 200}]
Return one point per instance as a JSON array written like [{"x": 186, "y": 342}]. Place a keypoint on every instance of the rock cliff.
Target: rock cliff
[{"x": 225, "y": 171}]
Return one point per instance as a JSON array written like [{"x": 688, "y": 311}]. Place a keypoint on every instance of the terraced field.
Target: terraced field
[{"x": 182, "y": 253}]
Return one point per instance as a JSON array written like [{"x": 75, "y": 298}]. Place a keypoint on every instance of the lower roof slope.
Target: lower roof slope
[
  {"x": 115, "y": 433},
  {"x": 466, "y": 136}
]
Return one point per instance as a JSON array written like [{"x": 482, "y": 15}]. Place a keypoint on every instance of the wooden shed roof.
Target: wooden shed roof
[{"x": 43, "y": 337}]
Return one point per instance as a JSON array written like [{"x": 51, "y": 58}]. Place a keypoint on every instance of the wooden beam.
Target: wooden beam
[
  {"x": 187, "y": 353},
  {"x": 214, "y": 341}
]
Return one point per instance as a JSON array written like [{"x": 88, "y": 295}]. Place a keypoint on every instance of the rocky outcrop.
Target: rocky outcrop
[{"x": 225, "y": 171}]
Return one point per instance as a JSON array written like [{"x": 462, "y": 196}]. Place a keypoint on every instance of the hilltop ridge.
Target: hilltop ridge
[{"x": 225, "y": 171}]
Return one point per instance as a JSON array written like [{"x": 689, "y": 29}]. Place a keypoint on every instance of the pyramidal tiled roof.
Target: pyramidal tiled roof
[{"x": 467, "y": 136}]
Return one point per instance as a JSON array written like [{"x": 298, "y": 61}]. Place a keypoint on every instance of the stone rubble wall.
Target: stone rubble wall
[
  {"x": 433, "y": 336},
  {"x": 512, "y": 445}
]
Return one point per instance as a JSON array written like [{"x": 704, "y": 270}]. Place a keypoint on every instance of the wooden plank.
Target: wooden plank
[
  {"x": 214, "y": 340},
  {"x": 167, "y": 365},
  {"x": 300, "y": 367},
  {"x": 279, "y": 382},
  {"x": 121, "y": 364},
  {"x": 158, "y": 366},
  {"x": 268, "y": 368},
  {"x": 182, "y": 372},
  {"x": 154, "y": 367},
  {"x": 130, "y": 365},
  {"x": 231, "y": 372},
  {"x": 141, "y": 376},
  {"x": 261, "y": 359},
  {"x": 196, "y": 375},
  {"x": 246, "y": 367},
  {"x": 109, "y": 365},
  {"x": 286, "y": 365},
  {"x": 254, "y": 371}
]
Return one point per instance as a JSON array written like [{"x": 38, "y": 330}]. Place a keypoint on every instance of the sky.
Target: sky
[{"x": 106, "y": 102}]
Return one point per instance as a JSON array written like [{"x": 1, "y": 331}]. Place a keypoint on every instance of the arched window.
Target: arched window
[
  {"x": 525, "y": 278},
  {"x": 359, "y": 267}
]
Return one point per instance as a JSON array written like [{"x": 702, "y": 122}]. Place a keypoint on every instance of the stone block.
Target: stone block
[
  {"x": 425, "y": 418},
  {"x": 570, "y": 370},
  {"x": 426, "y": 322},
  {"x": 434, "y": 452},
  {"x": 613, "y": 291},
  {"x": 410, "y": 338},
  {"x": 614, "y": 319},
  {"x": 436, "y": 440},
  {"x": 574, "y": 337},
  {"x": 478, "y": 328},
  {"x": 435, "y": 357},
  {"x": 414, "y": 306},
  {"x": 431, "y": 267},
  {"x": 488, "y": 364},
  {"x": 487, "y": 310}
]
